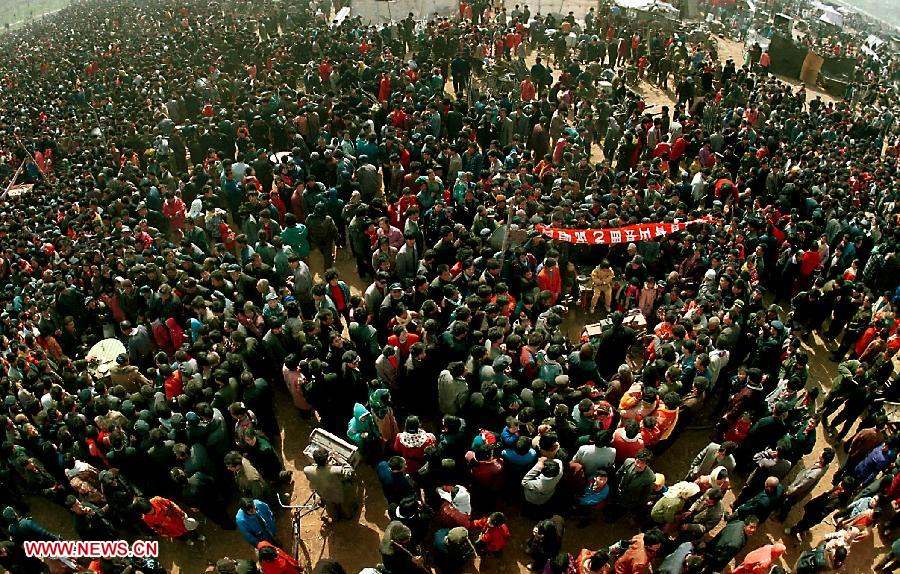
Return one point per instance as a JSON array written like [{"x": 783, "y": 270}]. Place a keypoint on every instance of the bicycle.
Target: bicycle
[{"x": 299, "y": 550}]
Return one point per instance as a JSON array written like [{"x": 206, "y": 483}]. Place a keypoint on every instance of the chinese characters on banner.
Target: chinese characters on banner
[{"x": 614, "y": 235}]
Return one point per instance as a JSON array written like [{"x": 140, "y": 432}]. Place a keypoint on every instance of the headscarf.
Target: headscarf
[
  {"x": 360, "y": 423},
  {"x": 683, "y": 490},
  {"x": 395, "y": 533},
  {"x": 461, "y": 500},
  {"x": 378, "y": 402}
]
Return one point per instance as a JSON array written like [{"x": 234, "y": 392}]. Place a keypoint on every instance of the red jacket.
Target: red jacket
[
  {"x": 494, "y": 538},
  {"x": 174, "y": 385},
  {"x": 625, "y": 448},
  {"x": 487, "y": 475},
  {"x": 283, "y": 563},
  {"x": 174, "y": 211},
  {"x": 411, "y": 339},
  {"x": 176, "y": 333},
  {"x": 809, "y": 262},
  {"x": 412, "y": 448},
  {"x": 550, "y": 279},
  {"x": 526, "y": 90},
  {"x": 166, "y": 518}
]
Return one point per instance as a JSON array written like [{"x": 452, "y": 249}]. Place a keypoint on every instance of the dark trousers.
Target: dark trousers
[
  {"x": 459, "y": 84},
  {"x": 327, "y": 250}
]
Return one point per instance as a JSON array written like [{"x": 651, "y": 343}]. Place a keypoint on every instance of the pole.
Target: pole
[
  {"x": 97, "y": 119},
  {"x": 19, "y": 141},
  {"x": 505, "y": 245},
  {"x": 12, "y": 182}
]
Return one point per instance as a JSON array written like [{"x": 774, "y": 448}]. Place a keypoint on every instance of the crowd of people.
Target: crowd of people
[{"x": 170, "y": 168}]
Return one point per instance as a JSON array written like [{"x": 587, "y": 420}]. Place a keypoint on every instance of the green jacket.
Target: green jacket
[
  {"x": 727, "y": 543},
  {"x": 666, "y": 508},
  {"x": 360, "y": 243},
  {"x": 365, "y": 337},
  {"x": 297, "y": 238},
  {"x": 635, "y": 486}
]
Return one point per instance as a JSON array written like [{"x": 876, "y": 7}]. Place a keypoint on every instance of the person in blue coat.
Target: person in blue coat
[
  {"x": 255, "y": 522},
  {"x": 877, "y": 460},
  {"x": 22, "y": 528},
  {"x": 396, "y": 483}
]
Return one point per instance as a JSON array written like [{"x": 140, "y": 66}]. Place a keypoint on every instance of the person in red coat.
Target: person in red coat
[
  {"x": 487, "y": 473},
  {"x": 412, "y": 442},
  {"x": 274, "y": 560},
  {"x": 176, "y": 333},
  {"x": 628, "y": 441},
  {"x": 165, "y": 518},
  {"x": 173, "y": 385},
  {"x": 384, "y": 87},
  {"x": 550, "y": 279},
  {"x": 492, "y": 533},
  {"x": 175, "y": 211}
]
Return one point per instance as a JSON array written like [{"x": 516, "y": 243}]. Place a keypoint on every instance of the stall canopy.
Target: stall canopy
[
  {"x": 874, "y": 41},
  {"x": 647, "y": 6},
  {"x": 832, "y": 17},
  {"x": 380, "y": 12}
]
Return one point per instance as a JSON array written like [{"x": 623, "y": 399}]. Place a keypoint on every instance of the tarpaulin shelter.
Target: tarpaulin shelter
[
  {"x": 380, "y": 11},
  {"x": 786, "y": 56},
  {"x": 833, "y": 17},
  {"x": 648, "y": 6},
  {"x": 797, "y": 61}
]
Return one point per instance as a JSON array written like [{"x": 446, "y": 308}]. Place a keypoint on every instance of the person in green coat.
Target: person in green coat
[
  {"x": 358, "y": 232},
  {"x": 730, "y": 541},
  {"x": 322, "y": 233},
  {"x": 296, "y": 236},
  {"x": 764, "y": 503},
  {"x": 635, "y": 482},
  {"x": 363, "y": 432},
  {"x": 671, "y": 504},
  {"x": 365, "y": 337},
  {"x": 281, "y": 258},
  {"x": 821, "y": 559},
  {"x": 195, "y": 235}
]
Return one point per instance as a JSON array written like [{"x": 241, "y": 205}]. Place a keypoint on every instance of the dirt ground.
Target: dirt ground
[{"x": 355, "y": 545}]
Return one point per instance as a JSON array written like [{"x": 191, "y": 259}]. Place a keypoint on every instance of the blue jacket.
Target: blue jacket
[
  {"x": 876, "y": 461},
  {"x": 508, "y": 438},
  {"x": 256, "y": 527},
  {"x": 521, "y": 462},
  {"x": 29, "y": 529},
  {"x": 396, "y": 486}
]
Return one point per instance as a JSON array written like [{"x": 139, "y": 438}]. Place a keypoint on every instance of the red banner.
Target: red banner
[{"x": 614, "y": 235}]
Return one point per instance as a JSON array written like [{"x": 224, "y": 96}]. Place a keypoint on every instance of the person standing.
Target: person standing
[
  {"x": 764, "y": 503},
  {"x": 255, "y": 522},
  {"x": 166, "y": 519},
  {"x": 322, "y": 233},
  {"x": 334, "y": 484},
  {"x": 760, "y": 561},
  {"x": 635, "y": 482},
  {"x": 539, "y": 484},
  {"x": 764, "y": 62},
  {"x": 712, "y": 455},
  {"x": 274, "y": 560},
  {"x": 804, "y": 483},
  {"x": 730, "y": 541},
  {"x": 460, "y": 69}
]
